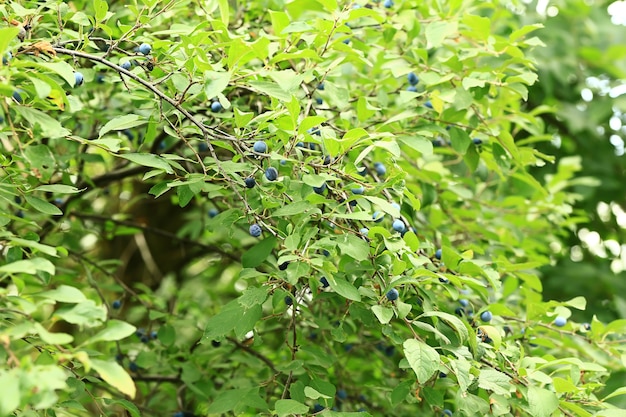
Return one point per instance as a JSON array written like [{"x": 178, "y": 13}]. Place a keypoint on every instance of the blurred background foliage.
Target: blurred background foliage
[
  {"x": 582, "y": 69},
  {"x": 582, "y": 77}
]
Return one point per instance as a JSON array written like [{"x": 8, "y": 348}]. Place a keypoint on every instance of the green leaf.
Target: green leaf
[
  {"x": 422, "y": 145},
  {"x": 58, "y": 189},
  {"x": 383, "y": 314},
  {"x": 115, "y": 330},
  {"x": 399, "y": 393},
  {"x": 43, "y": 206},
  {"x": 113, "y": 374},
  {"x": 129, "y": 406},
  {"x": 231, "y": 399},
  {"x": 296, "y": 208},
  {"x": 28, "y": 266},
  {"x": 167, "y": 334},
  {"x": 288, "y": 407},
  {"x": 64, "y": 294},
  {"x": 248, "y": 320},
  {"x": 224, "y": 322},
  {"x": 215, "y": 83},
  {"x": 9, "y": 380},
  {"x": 127, "y": 121},
  {"x": 48, "y": 250},
  {"x": 253, "y": 296},
  {"x": 453, "y": 321},
  {"x": 619, "y": 391},
  {"x": 494, "y": 381},
  {"x": 257, "y": 254},
  {"x": 86, "y": 314},
  {"x": 7, "y": 34},
  {"x": 344, "y": 288},
  {"x": 437, "y": 31},
  {"x": 50, "y": 128},
  {"x": 148, "y": 160},
  {"x": 53, "y": 338},
  {"x": 541, "y": 402},
  {"x": 224, "y": 11},
  {"x": 65, "y": 70},
  {"x": 423, "y": 359},
  {"x": 460, "y": 140},
  {"x": 354, "y": 247},
  {"x": 579, "y": 303}
]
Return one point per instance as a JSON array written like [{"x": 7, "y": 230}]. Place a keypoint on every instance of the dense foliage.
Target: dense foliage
[{"x": 296, "y": 208}]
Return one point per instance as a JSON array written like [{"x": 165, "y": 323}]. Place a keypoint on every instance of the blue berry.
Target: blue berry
[
  {"x": 560, "y": 321},
  {"x": 398, "y": 226},
  {"x": 145, "y": 48},
  {"x": 250, "y": 182},
  {"x": 324, "y": 282},
  {"x": 346, "y": 41},
  {"x": 486, "y": 316},
  {"x": 17, "y": 96},
  {"x": 428, "y": 104},
  {"x": 442, "y": 375},
  {"x": 318, "y": 408},
  {"x": 6, "y": 58},
  {"x": 463, "y": 302},
  {"x": 586, "y": 326},
  {"x": 380, "y": 168},
  {"x": 271, "y": 174},
  {"x": 126, "y": 65},
  {"x": 342, "y": 394},
  {"x": 320, "y": 190},
  {"x": 259, "y": 146},
  {"x": 438, "y": 254},
  {"x": 446, "y": 412},
  {"x": 255, "y": 230},
  {"x": 133, "y": 367},
  {"x": 477, "y": 141},
  {"x": 459, "y": 311},
  {"x": 283, "y": 266},
  {"x": 392, "y": 294},
  {"x": 412, "y": 77},
  {"x": 319, "y": 100},
  {"x": 364, "y": 231},
  {"x": 216, "y": 107},
  {"x": 288, "y": 300},
  {"x": 358, "y": 190},
  {"x": 388, "y": 3},
  {"x": 320, "y": 86},
  {"x": 153, "y": 334},
  {"x": 314, "y": 131},
  {"x": 213, "y": 212},
  {"x": 78, "y": 79},
  {"x": 390, "y": 351},
  {"x": 116, "y": 304},
  {"x": 412, "y": 89},
  {"x": 378, "y": 216}
]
